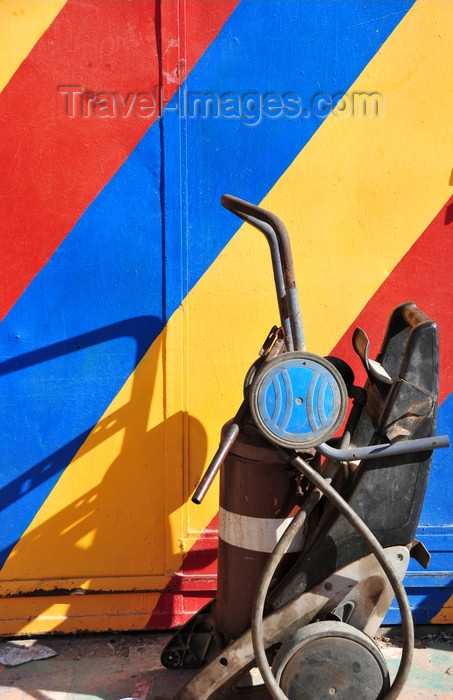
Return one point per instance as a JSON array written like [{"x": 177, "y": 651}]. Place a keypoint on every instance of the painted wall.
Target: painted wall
[{"x": 133, "y": 304}]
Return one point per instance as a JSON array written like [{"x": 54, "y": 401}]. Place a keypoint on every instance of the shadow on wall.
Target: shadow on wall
[{"x": 105, "y": 523}]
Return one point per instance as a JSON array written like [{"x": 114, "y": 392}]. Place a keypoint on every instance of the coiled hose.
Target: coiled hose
[{"x": 323, "y": 487}]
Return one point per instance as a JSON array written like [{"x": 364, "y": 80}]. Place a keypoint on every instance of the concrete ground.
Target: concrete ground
[{"x": 114, "y": 666}]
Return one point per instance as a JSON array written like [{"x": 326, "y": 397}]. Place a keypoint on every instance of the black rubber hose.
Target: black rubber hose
[
  {"x": 268, "y": 574},
  {"x": 322, "y": 486}
]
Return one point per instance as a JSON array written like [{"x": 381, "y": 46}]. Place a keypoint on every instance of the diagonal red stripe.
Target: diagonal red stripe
[
  {"x": 52, "y": 166},
  {"x": 423, "y": 276},
  {"x": 201, "y": 560}
]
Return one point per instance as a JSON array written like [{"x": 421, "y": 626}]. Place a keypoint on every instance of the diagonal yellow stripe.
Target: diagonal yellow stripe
[
  {"x": 22, "y": 23},
  {"x": 354, "y": 201}
]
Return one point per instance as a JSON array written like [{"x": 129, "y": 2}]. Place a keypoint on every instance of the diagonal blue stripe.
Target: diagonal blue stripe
[{"x": 430, "y": 589}]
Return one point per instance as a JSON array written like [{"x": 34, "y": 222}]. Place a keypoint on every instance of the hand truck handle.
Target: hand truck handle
[{"x": 282, "y": 262}]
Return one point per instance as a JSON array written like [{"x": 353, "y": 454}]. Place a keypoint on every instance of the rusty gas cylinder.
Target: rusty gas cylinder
[{"x": 258, "y": 499}]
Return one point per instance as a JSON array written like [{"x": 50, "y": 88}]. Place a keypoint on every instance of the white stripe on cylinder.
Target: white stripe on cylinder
[{"x": 256, "y": 534}]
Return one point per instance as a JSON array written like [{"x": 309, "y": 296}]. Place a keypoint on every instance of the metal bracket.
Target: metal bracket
[{"x": 361, "y": 587}]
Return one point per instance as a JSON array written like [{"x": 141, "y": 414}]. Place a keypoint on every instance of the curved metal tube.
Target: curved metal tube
[
  {"x": 384, "y": 450},
  {"x": 263, "y": 220},
  {"x": 278, "y": 277}
]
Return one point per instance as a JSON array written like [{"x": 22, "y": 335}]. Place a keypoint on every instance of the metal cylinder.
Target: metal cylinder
[{"x": 258, "y": 498}]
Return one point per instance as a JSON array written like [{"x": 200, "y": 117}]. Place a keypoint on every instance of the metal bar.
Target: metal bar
[
  {"x": 238, "y": 656},
  {"x": 219, "y": 457},
  {"x": 384, "y": 450}
]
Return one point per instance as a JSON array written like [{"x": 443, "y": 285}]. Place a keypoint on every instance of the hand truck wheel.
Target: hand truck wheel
[{"x": 330, "y": 661}]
